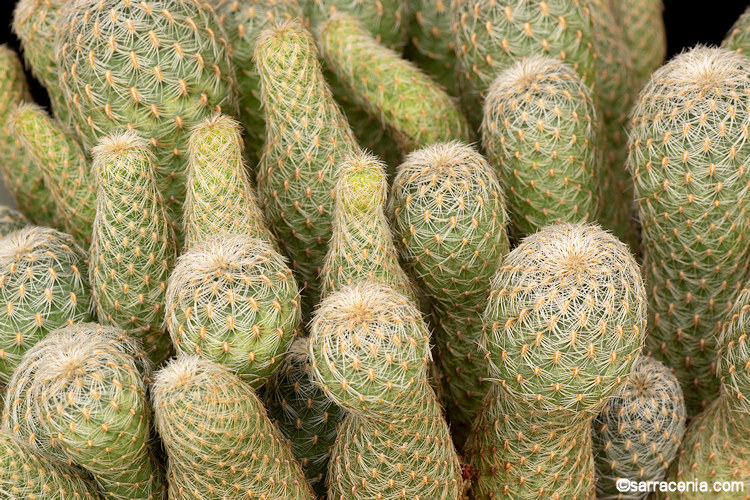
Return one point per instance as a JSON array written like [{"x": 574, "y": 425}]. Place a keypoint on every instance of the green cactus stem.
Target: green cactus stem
[
  {"x": 738, "y": 38},
  {"x": 431, "y": 42},
  {"x": 642, "y": 23},
  {"x": 11, "y": 220}
]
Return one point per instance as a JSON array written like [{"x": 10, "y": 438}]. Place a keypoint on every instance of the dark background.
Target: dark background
[{"x": 687, "y": 21}]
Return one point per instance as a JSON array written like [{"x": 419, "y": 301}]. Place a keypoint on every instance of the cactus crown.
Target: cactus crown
[
  {"x": 570, "y": 299},
  {"x": 362, "y": 183}
]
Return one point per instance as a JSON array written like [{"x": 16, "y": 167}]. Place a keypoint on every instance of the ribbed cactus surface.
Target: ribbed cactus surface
[
  {"x": 638, "y": 433},
  {"x": 307, "y": 138},
  {"x": 44, "y": 286},
  {"x": 218, "y": 438},
  {"x": 688, "y": 157},
  {"x": 432, "y": 45},
  {"x": 540, "y": 133},
  {"x": 134, "y": 246},
  {"x": 643, "y": 26},
  {"x": 11, "y": 220},
  {"x": 233, "y": 300}
]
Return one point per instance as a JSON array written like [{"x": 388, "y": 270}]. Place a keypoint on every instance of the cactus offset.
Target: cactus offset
[
  {"x": 639, "y": 432},
  {"x": 134, "y": 246},
  {"x": 44, "y": 282},
  {"x": 539, "y": 131},
  {"x": 642, "y": 23},
  {"x": 432, "y": 45},
  {"x": 234, "y": 301},
  {"x": 11, "y": 220},
  {"x": 688, "y": 157}
]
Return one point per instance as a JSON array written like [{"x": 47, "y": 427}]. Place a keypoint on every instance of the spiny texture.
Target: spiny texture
[
  {"x": 540, "y": 133},
  {"x": 492, "y": 35},
  {"x": 688, "y": 157},
  {"x": 415, "y": 109},
  {"x": 361, "y": 247},
  {"x": 21, "y": 175},
  {"x": 84, "y": 389},
  {"x": 43, "y": 286},
  {"x": 134, "y": 246},
  {"x": 307, "y": 139},
  {"x": 219, "y": 196},
  {"x": 243, "y": 21},
  {"x": 642, "y": 22},
  {"x": 219, "y": 441},
  {"x": 732, "y": 367},
  {"x": 306, "y": 417},
  {"x": 11, "y": 220},
  {"x": 638, "y": 433},
  {"x": 432, "y": 45},
  {"x": 738, "y": 38},
  {"x": 156, "y": 67},
  {"x": 233, "y": 300},
  {"x": 63, "y": 165},
  {"x": 25, "y": 474},
  {"x": 566, "y": 319}
]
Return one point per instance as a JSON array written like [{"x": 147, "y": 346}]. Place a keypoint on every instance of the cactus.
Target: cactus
[
  {"x": 414, "y": 108},
  {"x": 24, "y": 473},
  {"x": 133, "y": 248},
  {"x": 432, "y": 45},
  {"x": 21, "y": 175},
  {"x": 297, "y": 174},
  {"x": 80, "y": 381},
  {"x": 305, "y": 416},
  {"x": 688, "y": 159},
  {"x": 643, "y": 26},
  {"x": 233, "y": 300},
  {"x": 157, "y": 68},
  {"x": 11, "y": 220},
  {"x": 63, "y": 165},
  {"x": 491, "y": 36},
  {"x": 218, "y": 438},
  {"x": 44, "y": 286},
  {"x": 219, "y": 195},
  {"x": 539, "y": 131},
  {"x": 737, "y": 39},
  {"x": 638, "y": 433},
  {"x": 361, "y": 247}
]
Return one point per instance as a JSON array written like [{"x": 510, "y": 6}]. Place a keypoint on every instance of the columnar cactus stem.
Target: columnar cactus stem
[
  {"x": 432, "y": 45},
  {"x": 134, "y": 246},
  {"x": 218, "y": 438},
  {"x": 642, "y": 22},
  {"x": 410, "y": 104},
  {"x": 688, "y": 157}
]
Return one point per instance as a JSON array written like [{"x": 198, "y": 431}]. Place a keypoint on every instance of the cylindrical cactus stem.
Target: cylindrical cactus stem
[
  {"x": 306, "y": 417},
  {"x": 642, "y": 23},
  {"x": 22, "y": 176},
  {"x": 25, "y": 473},
  {"x": 44, "y": 284},
  {"x": 220, "y": 198},
  {"x": 307, "y": 139},
  {"x": 85, "y": 389},
  {"x": 134, "y": 246},
  {"x": 11, "y": 220},
  {"x": 361, "y": 247},
  {"x": 431, "y": 42},
  {"x": 738, "y": 38},
  {"x": 410, "y": 104},
  {"x": 540, "y": 133},
  {"x": 638, "y": 433},
  {"x": 234, "y": 300},
  {"x": 492, "y": 35},
  {"x": 692, "y": 184},
  {"x": 218, "y": 437},
  {"x": 157, "y": 68},
  {"x": 64, "y": 166}
]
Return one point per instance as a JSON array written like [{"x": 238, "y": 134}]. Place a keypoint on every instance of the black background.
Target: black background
[{"x": 687, "y": 22}]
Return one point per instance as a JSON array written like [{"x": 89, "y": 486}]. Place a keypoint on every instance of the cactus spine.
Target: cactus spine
[
  {"x": 643, "y": 26},
  {"x": 11, "y": 220},
  {"x": 218, "y": 438},
  {"x": 432, "y": 45},
  {"x": 691, "y": 183},
  {"x": 539, "y": 131},
  {"x": 44, "y": 284},
  {"x": 638, "y": 433},
  {"x": 411, "y": 105},
  {"x": 296, "y": 176},
  {"x": 134, "y": 247},
  {"x": 737, "y": 39}
]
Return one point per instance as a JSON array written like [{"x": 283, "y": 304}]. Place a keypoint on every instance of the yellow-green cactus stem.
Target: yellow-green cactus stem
[
  {"x": 642, "y": 22},
  {"x": 431, "y": 42},
  {"x": 11, "y": 220},
  {"x": 738, "y": 38}
]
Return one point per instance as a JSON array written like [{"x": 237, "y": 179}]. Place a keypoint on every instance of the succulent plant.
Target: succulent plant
[
  {"x": 540, "y": 133},
  {"x": 156, "y": 68},
  {"x": 737, "y": 39},
  {"x": 691, "y": 183},
  {"x": 642, "y": 22},
  {"x": 133, "y": 248},
  {"x": 11, "y": 220},
  {"x": 297, "y": 174},
  {"x": 63, "y": 165},
  {"x": 432, "y": 45},
  {"x": 233, "y": 300},
  {"x": 415, "y": 109},
  {"x": 24, "y": 473},
  {"x": 218, "y": 438},
  {"x": 44, "y": 286},
  {"x": 639, "y": 431},
  {"x": 219, "y": 196},
  {"x": 84, "y": 390}
]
